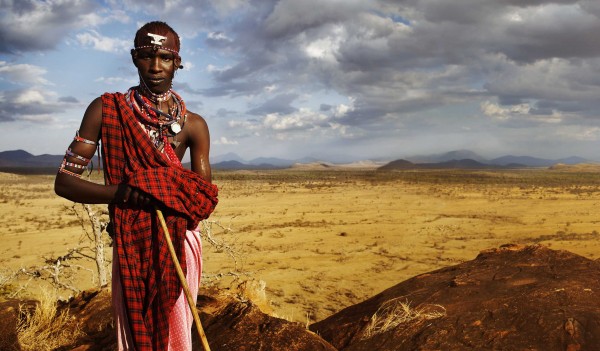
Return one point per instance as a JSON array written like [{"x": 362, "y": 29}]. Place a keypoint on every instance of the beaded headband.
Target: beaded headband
[{"x": 157, "y": 41}]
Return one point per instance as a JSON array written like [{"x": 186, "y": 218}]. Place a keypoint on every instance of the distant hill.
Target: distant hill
[
  {"x": 235, "y": 165},
  {"x": 536, "y": 162},
  {"x": 14, "y": 155},
  {"x": 21, "y": 158},
  {"x": 22, "y": 162},
  {"x": 452, "y": 164},
  {"x": 448, "y": 156},
  {"x": 273, "y": 161},
  {"x": 230, "y": 156},
  {"x": 234, "y": 161},
  {"x": 398, "y": 164},
  {"x": 505, "y": 161}
]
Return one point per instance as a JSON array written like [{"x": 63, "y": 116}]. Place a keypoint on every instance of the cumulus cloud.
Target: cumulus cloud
[
  {"x": 224, "y": 141},
  {"x": 299, "y": 124},
  {"x": 521, "y": 115},
  {"x": 30, "y": 105},
  {"x": 28, "y": 25},
  {"x": 278, "y": 104},
  {"x": 23, "y": 73},
  {"x": 116, "y": 80},
  {"x": 99, "y": 42}
]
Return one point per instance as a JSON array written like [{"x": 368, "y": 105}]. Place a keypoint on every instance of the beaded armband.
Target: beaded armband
[
  {"x": 83, "y": 140},
  {"x": 79, "y": 157},
  {"x": 70, "y": 153},
  {"x": 62, "y": 169},
  {"x": 66, "y": 163}
]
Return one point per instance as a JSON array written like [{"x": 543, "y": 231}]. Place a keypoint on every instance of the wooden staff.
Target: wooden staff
[{"x": 183, "y": 280}]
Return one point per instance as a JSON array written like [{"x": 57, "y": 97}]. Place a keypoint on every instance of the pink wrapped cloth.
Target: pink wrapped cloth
[{"x": 181, "y": 320}]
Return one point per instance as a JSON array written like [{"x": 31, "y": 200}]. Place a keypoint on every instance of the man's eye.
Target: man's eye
[{"x": 167, "y": 58}]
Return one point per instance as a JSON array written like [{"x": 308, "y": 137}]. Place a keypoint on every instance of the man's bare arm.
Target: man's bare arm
[
  {"x": 83, "y": 191},
  {"x": 199, "y": 143}
]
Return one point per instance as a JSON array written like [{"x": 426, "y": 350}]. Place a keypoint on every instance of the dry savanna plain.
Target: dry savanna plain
[{"x": 316, "y": 241}]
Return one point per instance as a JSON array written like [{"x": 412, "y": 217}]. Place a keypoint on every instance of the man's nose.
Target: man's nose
[{"x": 155, "y": 64}]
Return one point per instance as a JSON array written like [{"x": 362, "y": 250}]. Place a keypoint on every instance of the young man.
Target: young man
[{"x": 144, "y": 133}]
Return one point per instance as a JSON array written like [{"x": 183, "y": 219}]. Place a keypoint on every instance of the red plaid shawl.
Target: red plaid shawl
[{"x": 148, "y": 275}]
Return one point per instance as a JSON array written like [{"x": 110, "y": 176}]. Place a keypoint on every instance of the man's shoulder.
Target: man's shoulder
[
  {"x": 194, "y": 118},
  {"x": 111, "y": 94}
]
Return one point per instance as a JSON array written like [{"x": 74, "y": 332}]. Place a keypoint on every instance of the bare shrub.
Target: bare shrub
[
  {"x": 395, "y": 312},
  {"x": 223, "y": 243},
  {"x": 45, "y": 328},
  {"x": 61, "y": 271}
]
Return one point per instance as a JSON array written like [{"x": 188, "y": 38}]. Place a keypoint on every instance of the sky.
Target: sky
[{"x": 328, "y": 79}]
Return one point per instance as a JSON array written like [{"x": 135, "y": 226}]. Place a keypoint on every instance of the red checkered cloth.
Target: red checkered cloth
[{"x": 148, "y": 276}]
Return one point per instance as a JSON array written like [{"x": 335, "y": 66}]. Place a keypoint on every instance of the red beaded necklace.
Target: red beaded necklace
[{"x": 148, "y": 115}]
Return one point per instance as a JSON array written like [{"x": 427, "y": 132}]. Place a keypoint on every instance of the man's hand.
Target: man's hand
[{"x": 132, "y": 196}]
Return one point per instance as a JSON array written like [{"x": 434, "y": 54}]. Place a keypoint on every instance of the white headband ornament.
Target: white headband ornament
[{"x": 157, "y": 39}]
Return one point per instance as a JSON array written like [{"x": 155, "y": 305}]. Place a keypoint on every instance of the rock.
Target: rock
[
  {"x": 231, "y": 324},
  {"x": 93, "y": 311},
  {"x": 510, "y": 298}
]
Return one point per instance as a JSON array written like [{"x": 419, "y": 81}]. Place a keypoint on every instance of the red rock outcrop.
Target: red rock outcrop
[
  {"x": 510, "y": 298},
  {"x": 231, "y": 324}
]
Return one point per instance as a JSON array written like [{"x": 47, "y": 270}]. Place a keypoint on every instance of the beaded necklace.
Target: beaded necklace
[{"x": 149, "y": 116}]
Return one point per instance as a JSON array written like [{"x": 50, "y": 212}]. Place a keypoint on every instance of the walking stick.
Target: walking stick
[{"x": 183, "y": 280}]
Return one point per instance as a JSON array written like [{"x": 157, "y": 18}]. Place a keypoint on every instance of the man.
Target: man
[{"x": 144, "y": 134}]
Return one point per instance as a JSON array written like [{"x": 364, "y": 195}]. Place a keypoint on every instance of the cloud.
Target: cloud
[
  {"x": 290, "y": 17},
  {"x": 29, "y": 25},
  {"x": 68, "y": 99},
  {"x": 23, "y": 73},
  {"x": 520, "y": 115},
  {"x": 278, "y": 104},
  {"x": 103, "y": 43},
  {"x": 224, "y": 141},
  {"x": 395, "y": 61},
  {"x": 185, "y": 87},
  {"x": 29, "y": 105},
  {"x": 299, "y": 124},
  {"x": 580, "y": 133},
  {"x": 117, "y": 80}
]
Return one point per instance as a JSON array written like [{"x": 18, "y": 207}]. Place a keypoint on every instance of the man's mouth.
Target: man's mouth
[{"x": 155, "y": 81}]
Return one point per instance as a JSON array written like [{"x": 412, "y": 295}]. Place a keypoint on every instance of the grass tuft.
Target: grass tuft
[
  {"x": 45, "y": 328},
  {"x": 396, "y": 312}
]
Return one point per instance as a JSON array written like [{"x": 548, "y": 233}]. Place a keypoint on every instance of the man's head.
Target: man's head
[
  {"x": 156, "y": 54},
  {"x": 157, "y": 34}
]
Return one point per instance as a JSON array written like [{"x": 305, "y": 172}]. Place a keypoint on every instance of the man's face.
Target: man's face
[{"x": 156, "y": 67}]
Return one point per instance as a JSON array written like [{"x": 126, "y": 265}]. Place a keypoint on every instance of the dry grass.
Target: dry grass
[
  {"x": 396, "y": 312},
  {"x": 45, "y": 328}
]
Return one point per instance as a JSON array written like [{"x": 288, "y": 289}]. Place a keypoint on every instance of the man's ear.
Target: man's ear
[
  {"x": 134, "y": 57},
  {"x": 177, "y": 62}
]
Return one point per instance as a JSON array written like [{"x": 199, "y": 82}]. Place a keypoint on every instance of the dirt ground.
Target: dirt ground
[{"x": 323, "y": 240}]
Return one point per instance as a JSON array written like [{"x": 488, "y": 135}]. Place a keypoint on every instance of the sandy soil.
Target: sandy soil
[{"x": 324, "y": 240}]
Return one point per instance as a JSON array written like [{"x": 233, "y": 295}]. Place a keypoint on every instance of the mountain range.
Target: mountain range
[
  {"x": 23, "y": 161},
  {"x": 451, "y": 159}
]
